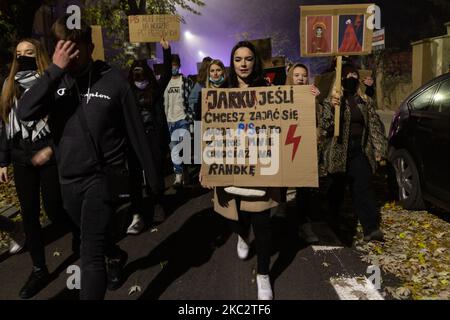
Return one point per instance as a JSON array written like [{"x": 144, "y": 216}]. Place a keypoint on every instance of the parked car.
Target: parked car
[{"x": 419, "y": 146}]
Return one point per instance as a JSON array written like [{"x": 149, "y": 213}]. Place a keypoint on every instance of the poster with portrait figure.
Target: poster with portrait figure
[
  {"x": 319, "y": 34},
  {"x": 335, "y": 30}
]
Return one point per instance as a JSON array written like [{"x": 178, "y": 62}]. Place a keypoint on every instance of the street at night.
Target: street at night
[{"x": 198, "y": 150}]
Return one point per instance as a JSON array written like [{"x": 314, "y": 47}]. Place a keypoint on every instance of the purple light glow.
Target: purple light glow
[
  {"x": 223, "y": 23},
  {"x": 201, "y": 36}
]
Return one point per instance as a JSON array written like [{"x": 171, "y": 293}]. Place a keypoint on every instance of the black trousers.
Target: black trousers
[
  {"x": 359, "y": 177},
  {"x": 137, "y": 184},
  {"x": 89, "y": 205},
  {"x": 30, "y": 181},
  {"x": 260, "y": 222},
  {"x": 303, "y": 201}
]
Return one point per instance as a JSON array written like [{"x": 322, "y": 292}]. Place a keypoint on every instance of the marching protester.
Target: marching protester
[
  {"x": 352, "y": 157},
  {"x": 28, "y": 146},
  {"x": 244, "y": 207},
  {"x": 148, "y": 93},
  {"x": 94, "y": 119},
  {"x": 195, "y": 95},
  {"x": 178, "y": 113},
  {"x": 213, "y": 76},
  {"x": 216, "y": 75},
  {"x": 298, "y": 74}
]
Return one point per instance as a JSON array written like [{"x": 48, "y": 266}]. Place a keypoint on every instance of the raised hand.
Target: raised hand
[
  {"x": 335, "y": 98},
  {"x": 64, "y": 53},
  {"x": 164, "y": 43},
  {"x": 315, "y": 91}
]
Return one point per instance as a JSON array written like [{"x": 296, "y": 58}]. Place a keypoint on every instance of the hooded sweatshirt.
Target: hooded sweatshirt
[{"x": 111, "y": 114}]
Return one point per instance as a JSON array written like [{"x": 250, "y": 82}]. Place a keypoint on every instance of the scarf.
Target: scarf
[{"x": 34, "y": 129}]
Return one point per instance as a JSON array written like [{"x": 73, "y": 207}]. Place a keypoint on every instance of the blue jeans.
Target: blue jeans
[{"x": 175, "y": 140}]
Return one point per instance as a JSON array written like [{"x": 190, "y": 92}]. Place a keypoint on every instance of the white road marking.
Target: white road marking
[
  {"x": 358, "y": 288},
  {"x": 325, "y": 248}
]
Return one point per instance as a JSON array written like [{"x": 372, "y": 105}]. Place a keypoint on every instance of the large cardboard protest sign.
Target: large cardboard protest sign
[
  {"x": 150, "y": 28},
  {"x": 335, "y": 30},
  {"x": 259, "y": 137}
]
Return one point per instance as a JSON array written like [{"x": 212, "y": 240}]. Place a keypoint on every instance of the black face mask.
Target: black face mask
[
  {"x": 350, "y": 85},
  {"x": 27, "y": 63}
]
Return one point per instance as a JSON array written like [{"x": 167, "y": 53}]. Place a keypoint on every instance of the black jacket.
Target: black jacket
[
  {"x": 152, "y": 108},
  {"x": 112, "y": 117},
  {"x": 20, "y": 151}
]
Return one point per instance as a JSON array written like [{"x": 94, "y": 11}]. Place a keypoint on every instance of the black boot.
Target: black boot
[
  {"x": 114, "y": 268},
  {"x": 159, "y": 214},
  {"x": 38, "y": 280}
]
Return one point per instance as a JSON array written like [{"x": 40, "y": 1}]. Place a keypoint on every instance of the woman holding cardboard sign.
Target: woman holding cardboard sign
[
  {"x": 248, "y": 207},
  {"x": 352, "y": 156},
  {"x": 298, "y": 74}
]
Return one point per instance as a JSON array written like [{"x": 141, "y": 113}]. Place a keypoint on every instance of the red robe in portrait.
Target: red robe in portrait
[
  {"x": 319, "y": 45},
  {"x": 350, "y": 42}
]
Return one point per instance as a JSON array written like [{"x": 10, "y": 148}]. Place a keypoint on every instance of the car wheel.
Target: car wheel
[{"x": 408, "y": 181}]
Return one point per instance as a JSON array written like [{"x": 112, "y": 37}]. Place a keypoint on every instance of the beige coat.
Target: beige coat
[{"x": 226, "y": 204}]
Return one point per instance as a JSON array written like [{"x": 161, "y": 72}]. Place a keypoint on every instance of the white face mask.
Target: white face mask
[{"x": 141, "y": 84}]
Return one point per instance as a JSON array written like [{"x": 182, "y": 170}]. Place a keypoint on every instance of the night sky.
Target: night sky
[{"x": 223, "y": 23}]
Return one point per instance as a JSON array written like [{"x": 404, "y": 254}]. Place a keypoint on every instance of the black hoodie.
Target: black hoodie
[{"x": 111, "y": 113}]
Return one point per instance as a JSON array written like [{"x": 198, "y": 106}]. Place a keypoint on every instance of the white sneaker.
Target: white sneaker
[
  {"x": 17, "y": 239},
  {"x": 178, "y": 180},
  {"x": 242, "y": 248},
  {"x": 264, "y": 287},
  {"x": 136, "y": 226},
  {"x": 14, "y": 247}
]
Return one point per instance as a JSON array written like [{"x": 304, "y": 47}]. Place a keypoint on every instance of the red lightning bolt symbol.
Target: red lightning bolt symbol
[{"x": 291, "y": 139}]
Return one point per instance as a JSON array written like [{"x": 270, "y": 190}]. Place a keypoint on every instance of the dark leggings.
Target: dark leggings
[
  {"x": 303, "y": 200},
  {"x": 359, "y": 176},
  {"x": 136, "y": 186},
  {"x": 29, "y": 182},
  {"x": 260, "y": 221}
]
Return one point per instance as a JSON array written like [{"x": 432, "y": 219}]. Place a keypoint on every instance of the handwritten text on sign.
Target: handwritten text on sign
[
  {"x": 259, "y": 137},
  {"x": 150, "y": 28}
]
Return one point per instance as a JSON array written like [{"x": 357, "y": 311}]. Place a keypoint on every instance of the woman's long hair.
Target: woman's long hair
[
  {"x": 203, "y": 72},
  {"x": 256, "y": 78},
  {"x": 290, "y": 75},
  {"x": 11, "y": 90},
  {"x": 148, "y": 74},
  {"x": 217, "y": 63}
]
